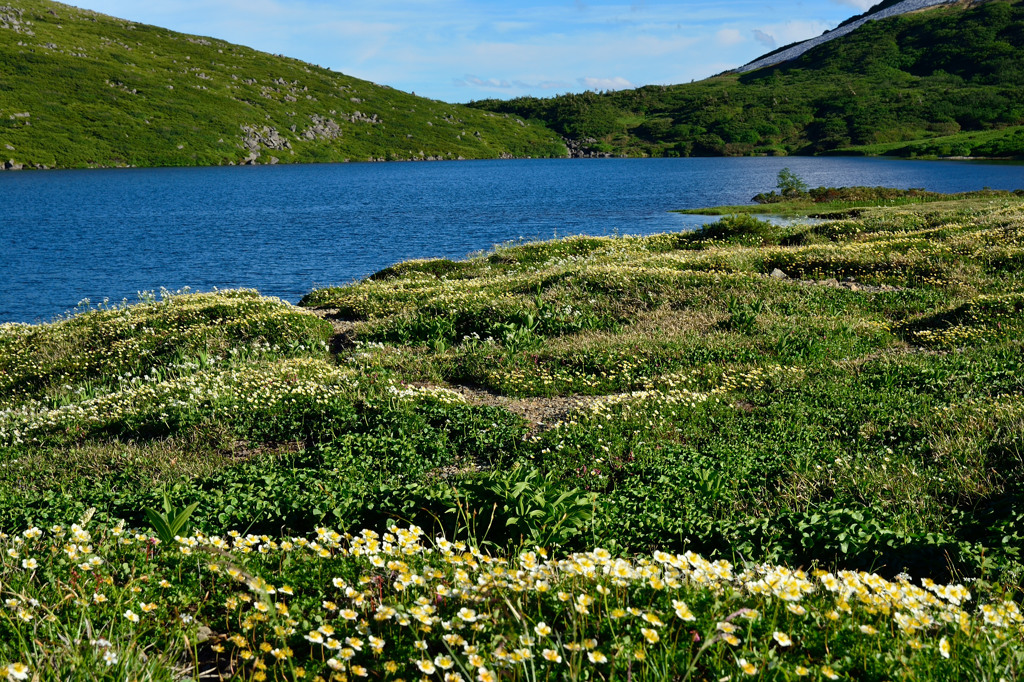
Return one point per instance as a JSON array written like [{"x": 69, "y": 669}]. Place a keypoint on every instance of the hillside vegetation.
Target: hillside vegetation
[
  {"x": 948, "y": 81},
  {"x": 84, "y": 89},
  {"x": 591, "y": 458}
]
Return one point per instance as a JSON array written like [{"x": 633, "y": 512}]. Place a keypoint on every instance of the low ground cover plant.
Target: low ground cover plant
[
  {"x": 756, "y": 449},
  {"x": 107, "y": 602}
]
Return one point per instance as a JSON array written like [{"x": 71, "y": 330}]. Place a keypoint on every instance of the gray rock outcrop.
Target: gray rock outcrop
[
  {"x": 11, "y": 18},
  {"x": 322, "y": 129}
]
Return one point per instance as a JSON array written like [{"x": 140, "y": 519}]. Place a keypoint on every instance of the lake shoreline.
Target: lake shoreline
[
  {"x": 13, "y": 166},
  {"x": 289, "y": 228}
]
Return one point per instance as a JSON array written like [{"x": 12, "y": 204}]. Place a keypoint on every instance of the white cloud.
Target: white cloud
[
  {"x": 486, "y": 83},
  {"x": 729, "y": 36},
  {"x": 792, "y": 31},
  {"x": 763, "y": 38},
  {"x": 455, "y": 49},
  {"x": 616, "y": 83},
  {"x": 859, "y": 4}
]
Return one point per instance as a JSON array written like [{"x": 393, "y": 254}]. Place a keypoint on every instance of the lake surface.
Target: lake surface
[{"x": 71, "y": 235}]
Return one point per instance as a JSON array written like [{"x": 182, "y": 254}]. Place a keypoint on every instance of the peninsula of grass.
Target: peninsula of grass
[
  {"x": 753, "y": 450},
  {"x": 839, "y": 202}
]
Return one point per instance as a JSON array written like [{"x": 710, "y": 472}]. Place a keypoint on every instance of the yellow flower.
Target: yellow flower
[
  {"x": 682, "y": 610},
  {"x": 868, "y": 630},
  {"x": 944, "y": 648},
  {"x": 748, "y": 668},
  {"x": 782, "y": 638},
  {"x": 650, "y": 635},
  {"x": 542, "y": 629},
  {"x": 828, "y": 672},
  {"x": 551, "y": 655},
  {"x": 597, "y": 657},
  {"x": 653, "y": 619},
  {"x": 802, "y": 671},
  {"x": 426, "y": 666}
]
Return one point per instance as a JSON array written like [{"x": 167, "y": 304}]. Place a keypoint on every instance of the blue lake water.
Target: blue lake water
[{"x": 108, "y": 234}]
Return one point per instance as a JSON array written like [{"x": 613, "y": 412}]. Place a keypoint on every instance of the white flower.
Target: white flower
[{"x": 17, "y": 671}]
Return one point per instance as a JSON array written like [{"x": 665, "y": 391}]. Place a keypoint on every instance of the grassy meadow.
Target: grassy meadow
[{"x": 752, "y": 451}]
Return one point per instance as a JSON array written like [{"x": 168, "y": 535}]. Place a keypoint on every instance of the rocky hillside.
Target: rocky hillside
[
  {"x": 940, "y": 81},
  {"x": 880, "y": 11},
  {"x": 83, "y": 89}
]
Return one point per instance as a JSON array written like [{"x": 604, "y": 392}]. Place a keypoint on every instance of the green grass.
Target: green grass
[
  {"x": 648, "y": 396},
  {"x": 1002, "y": 142},
  {"x": 102, "y": 91}
]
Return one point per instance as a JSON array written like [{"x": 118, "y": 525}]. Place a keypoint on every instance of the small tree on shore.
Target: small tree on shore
[{"x": 790, "y": 184}]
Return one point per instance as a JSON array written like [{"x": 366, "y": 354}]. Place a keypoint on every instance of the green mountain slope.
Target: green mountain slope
[
  {"x": 79, "y": 88},
  {"x": 914, "y": 84}
]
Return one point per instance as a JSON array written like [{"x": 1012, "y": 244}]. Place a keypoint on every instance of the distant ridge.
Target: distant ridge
[
  {"x": 795, "y": 51},
  {"x": 944, "y": 82}
]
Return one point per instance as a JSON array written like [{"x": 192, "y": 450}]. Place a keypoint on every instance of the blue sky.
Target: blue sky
[{"x": 460, "y": 50}]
